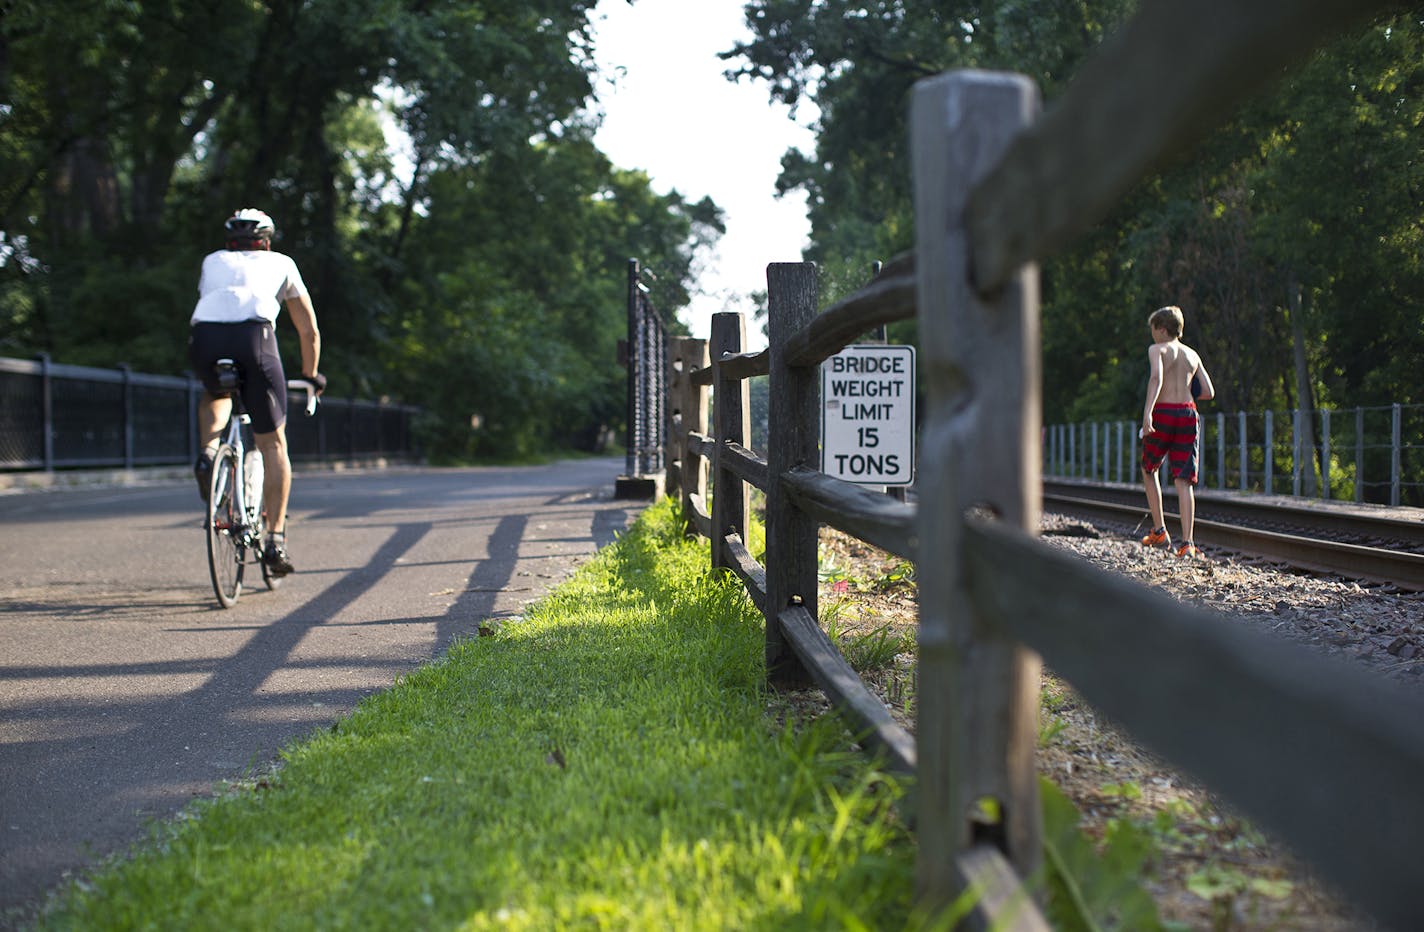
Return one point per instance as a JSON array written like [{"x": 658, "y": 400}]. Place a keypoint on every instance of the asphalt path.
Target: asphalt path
[{"x": 126, "y": 691}]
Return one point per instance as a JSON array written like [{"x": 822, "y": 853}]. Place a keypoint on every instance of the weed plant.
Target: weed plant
[{"x": 607, "y": 762}]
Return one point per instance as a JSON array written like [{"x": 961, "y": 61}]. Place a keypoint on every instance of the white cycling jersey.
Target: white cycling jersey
[{"x": 245, "y": 284}]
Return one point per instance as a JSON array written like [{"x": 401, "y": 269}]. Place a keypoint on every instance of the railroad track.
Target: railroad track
[{"x": 1378, "y": 548}]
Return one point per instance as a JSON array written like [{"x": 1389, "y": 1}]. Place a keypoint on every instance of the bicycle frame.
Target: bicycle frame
[{"x": 251, "y": 528}]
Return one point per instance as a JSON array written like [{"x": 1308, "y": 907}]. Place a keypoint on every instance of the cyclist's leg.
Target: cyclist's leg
[
  {"x": 277, "y": 478},
  {"x": 276, "y": 485},
  {"x": 213, "y": 412},
  {"x": 208, "y": 343}
]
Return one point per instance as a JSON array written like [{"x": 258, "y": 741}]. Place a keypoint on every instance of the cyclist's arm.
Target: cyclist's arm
[{"x": 304, "y": 319}]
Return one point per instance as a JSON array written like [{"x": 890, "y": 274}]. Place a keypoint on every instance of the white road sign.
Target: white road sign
[{"x": 868, "y": 415}]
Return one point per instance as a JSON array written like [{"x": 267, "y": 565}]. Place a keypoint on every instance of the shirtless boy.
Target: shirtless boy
[{"x": 1169, "y": 424}]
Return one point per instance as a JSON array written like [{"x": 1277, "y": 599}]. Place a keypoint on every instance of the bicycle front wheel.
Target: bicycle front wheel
[{"x": 224, "y": 525}]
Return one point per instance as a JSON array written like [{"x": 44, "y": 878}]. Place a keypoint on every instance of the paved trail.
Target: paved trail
[{"x": 125, "y": 690}]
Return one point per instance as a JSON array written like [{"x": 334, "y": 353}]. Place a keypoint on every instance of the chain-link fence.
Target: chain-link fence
[
  {"x": 58, "y": 416},
  {"x": 1366, "y": 454}
]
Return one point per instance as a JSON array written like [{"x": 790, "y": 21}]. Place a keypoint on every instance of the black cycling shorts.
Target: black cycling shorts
[{"x": 252, "y": 344}]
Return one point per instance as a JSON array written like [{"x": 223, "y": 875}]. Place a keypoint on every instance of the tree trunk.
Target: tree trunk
[
  {"x": 83, "y": 194},
  {"x": 413, "y": 194}
]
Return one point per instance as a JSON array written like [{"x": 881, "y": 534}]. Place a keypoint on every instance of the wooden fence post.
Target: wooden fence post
[
  {"x": 978, "y": 688},
  {"x": 689, "y": 414},
  {"x": 731, "y": 403},
  {"x": 675, "y": 437},
  {"x": 793, "y": 432}
]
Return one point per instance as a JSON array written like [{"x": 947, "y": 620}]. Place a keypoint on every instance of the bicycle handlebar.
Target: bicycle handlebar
[{"x": 310, "y": 391}]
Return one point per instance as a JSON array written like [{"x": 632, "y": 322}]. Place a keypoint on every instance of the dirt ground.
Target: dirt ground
[{"x": 1209, "y": 869}]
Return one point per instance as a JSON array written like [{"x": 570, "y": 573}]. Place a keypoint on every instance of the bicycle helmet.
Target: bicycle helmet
[{"x": 249, "y": 223}]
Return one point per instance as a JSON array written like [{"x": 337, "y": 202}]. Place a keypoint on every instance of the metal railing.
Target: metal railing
[
  {"x": 1364, "y": 454},
  {"x": 55, "y": 416},
  {"x": 647, "y": 380}
]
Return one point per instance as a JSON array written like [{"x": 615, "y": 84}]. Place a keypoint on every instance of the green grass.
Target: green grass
[{"x": 608, "y": 762}]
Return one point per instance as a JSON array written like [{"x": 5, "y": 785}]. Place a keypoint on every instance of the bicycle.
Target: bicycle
[{"x": 236, "y": 521}]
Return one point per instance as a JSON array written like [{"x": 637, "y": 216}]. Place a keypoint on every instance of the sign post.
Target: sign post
[{"x": 868, "y": 415}]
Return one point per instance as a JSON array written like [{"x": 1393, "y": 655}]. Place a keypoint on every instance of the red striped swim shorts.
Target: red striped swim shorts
[{"x": 1174, "y": 439}]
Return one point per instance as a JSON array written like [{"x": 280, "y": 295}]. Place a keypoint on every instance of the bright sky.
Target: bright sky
[{"x": 671, "y": 113}]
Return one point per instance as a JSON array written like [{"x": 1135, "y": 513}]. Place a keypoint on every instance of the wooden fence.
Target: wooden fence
[{"x": 1325, "y": 757}]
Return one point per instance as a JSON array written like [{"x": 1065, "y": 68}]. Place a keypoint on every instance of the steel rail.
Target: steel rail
[
  {"x": 1402, "y": 569},
  {"x": 1220, "y": 506}
]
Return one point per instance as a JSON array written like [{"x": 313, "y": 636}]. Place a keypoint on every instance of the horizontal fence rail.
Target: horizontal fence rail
[
  {"x": 55, "y": 416},
  {"x": 745, "y": 365},
  {"x": 1321, "y": 752},
  {"x": 889, "y": 298},
  {"x": 874, "y": 517},
  {"x": 846, "y": 689}
]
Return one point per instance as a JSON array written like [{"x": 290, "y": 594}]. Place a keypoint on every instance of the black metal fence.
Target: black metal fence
[
  {"x": 58, "y": 416},
  {"x": 647, "y": 380}
]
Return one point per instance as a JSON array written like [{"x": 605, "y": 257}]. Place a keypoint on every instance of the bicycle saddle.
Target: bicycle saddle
[{"x": 228, "y": 374}]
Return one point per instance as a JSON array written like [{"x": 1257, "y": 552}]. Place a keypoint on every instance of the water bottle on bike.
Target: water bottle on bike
[{"x": 252, "y": 465}]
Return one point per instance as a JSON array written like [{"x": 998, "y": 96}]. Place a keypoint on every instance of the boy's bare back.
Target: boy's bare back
[{"x": 1179, "y": 362}]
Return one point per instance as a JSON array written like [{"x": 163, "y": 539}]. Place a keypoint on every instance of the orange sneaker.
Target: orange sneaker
[
  {"x": 1157, "y": 538},
  {"x": 1189, "y": 551}
]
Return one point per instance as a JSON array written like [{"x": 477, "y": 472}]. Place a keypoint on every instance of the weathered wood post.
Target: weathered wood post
[
  {"x": 793, "y": 433},
  {"x": 687, "y": 476},
  {"x": 674, "y": 438},
  {"x": 731, "y": 404},
  {"x": 978, "y": 689}
]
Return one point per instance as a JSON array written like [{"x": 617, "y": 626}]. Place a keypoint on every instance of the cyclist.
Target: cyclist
[{"x": 240, "y": 293}]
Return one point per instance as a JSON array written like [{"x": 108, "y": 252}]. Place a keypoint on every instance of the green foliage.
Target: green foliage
[
  {"x": 873, "y": 650},
  {"x": 516, "y": 296},
  {"x": 1088, "y": 890},
  {"x": 1223, "y": 886},
  {"x": 858, "y": 60},
  {"x": 486, "y": 280},
  {"x": 1300, "y": 215},
  {"x": 1049, "y": 731}
]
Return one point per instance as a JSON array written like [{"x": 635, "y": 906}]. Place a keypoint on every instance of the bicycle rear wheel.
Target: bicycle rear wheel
[{"x": 224, "y": 524}]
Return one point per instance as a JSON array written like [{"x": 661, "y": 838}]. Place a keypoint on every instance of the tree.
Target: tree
[
  {"x": 485, "y": 280},
  {"x": 153, "y": 119},
  {"x": 858, "y": 62},
  {"x": 1312, "y": 190},
  {"x": 511, "y": 305}
]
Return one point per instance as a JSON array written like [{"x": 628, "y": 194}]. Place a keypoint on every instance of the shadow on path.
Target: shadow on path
[{"x": 92, "y": 749}]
